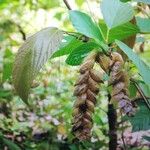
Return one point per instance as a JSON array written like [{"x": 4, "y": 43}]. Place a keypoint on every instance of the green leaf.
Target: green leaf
[
  {"x": 144, "y": 70},
  {"x": 143, "y": 24},
  {"x": 80, "y": 2},
  {"x": 31, "y": 57},
  {"x": 146, "y": 138},
  {"x": 145, "y": 88},
  {"x": 7, "y": 64},
  {"x": 141, "y": 120},
  {"x": 116, "y": 13},
  {"x": 143, "y": 1},
  {"x": 78, "y": 54},
  {"x": 11, "y": 145},
  {"x": 132, "y": 90},
  {"x": 67, "y": 48},
  {"x": 84, "y": 24},
  {"x": 121, "y": 32}
]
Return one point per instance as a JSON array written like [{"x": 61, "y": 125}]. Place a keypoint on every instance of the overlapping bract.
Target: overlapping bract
[
  {"x": 118, "y": 80},
  {"x": 86, "y": 89}
]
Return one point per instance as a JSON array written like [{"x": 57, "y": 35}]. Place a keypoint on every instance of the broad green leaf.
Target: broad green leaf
[
  {"x": 143, "y": 1},
  {"x": 143, "y": 24},
  {"x": 78, "y": 54},
  {"x": 120, "y": 32},
  {"x": 31, "y": 57},
  {"x": 144, "y": 70},
  {"x": 11, "y": 145},
  {"x": 67, "y": 48},
  {"x": 141, "y": 120},
  {"x": 116, "y": 13},
  {"x": 85, "y": 25}
]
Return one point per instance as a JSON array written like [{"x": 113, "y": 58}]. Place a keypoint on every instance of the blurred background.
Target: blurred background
[{"x": 46, "y": 125}]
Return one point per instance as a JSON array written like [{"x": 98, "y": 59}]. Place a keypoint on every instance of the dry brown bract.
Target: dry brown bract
[
  {"x": 119, "y": 81},
  {"x": 86, "y": 89}
]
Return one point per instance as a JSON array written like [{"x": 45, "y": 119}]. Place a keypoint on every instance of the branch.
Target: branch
[
  {"x": 112, "y": 120},
  {"x": 83, "y": 37},
  {"x": 21, "y": 31},
  {"x": 67, "y": 5}
]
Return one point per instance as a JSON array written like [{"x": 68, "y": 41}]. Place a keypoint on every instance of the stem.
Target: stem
[
  {"x": 107, "y": 35},
  {"x": 112, "y": 121},
  {"x": 141, "y": 93},
  {"x": 67, "y": 5}
]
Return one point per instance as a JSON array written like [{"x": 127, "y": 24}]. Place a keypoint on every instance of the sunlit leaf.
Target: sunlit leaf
[
  {"x": 31, "y": 57},
  {"x": 78, "y": 54},
  {"x": 67, "y": 47},
  {"x": 144, "y": 69},
  {"x": 116, "y": 13},
  {"x": 84, "y": 24},
  {"x": 120, "y": 32}
]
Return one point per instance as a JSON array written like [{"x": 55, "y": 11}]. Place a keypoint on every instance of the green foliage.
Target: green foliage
[
  {"x": 116, "y": 13},
  {"x": 84, "y": 24},
  {"x": 32, "y": 56},
  {"x": 79, "y": 53},
  {"x": 144, "y": 70},
  {"x": 47, "y": 123},
  {"x": 11, "y": 145},
  {"x": 7, "y": 64},
  {"x": 69, "y": 45},
  {"x": 143, "y": 24},
  {"x": 141, "y": 120},
  {"x": 132, "y": 90},
  {"x": 120, "y": 32},
  {"x": 145, "y": 88}
]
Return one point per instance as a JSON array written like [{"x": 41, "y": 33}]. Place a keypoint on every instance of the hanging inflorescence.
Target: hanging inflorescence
[
  {"x": 87, "y": 87},
  {"x": 119, "y": 81}
]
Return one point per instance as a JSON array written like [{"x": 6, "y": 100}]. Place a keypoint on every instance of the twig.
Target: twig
[
  {"x": 67, "y": 5},
  {"x": 141, "y": 93},
  {"x": 22, "y": 32}
]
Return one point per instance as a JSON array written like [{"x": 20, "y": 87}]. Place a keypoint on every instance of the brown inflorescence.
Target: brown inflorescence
[
  {"x": 86, "y": 89},
  {"x": 118, "y": 80}
]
